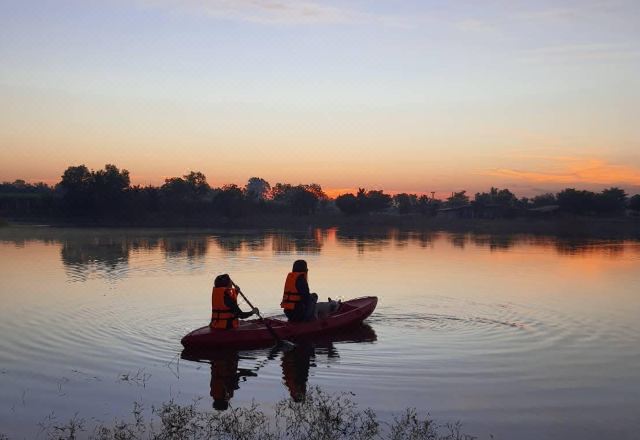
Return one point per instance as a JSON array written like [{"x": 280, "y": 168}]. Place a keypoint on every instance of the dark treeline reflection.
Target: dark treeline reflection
[
  {"x": 87, "y": 251},
  {"x": 229, "y": 367}
]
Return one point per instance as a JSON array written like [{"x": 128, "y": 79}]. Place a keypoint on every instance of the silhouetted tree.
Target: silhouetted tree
[
  {"x": 76, "y": 186},
  {"x": 229, "y": 201},
  {"x": 316, "y": 190},
  {"x": 197, "y": 183},
  {"x": 576, "y": 202},
  {"x": 405, "y": 203},
  {"x": 363, "y": 202},
  {"x": 107, "y": 193},
  {"x": 428, "y": 206},
  {"x": 280, "y": 191},
  {"x": 299, "y": 199},
  {"x": 377, "y": 200},
  {"x": 544, "y": 200},
  {"x": 302, "y": 201},
  {"x": 348, "y": 204},
  {"x": 458, "y": 199},
  {"x": 611, "y": 201},
  {"x": 108, "y": 189},
  {"x": 257, "y": 189},
  {"x": 495, "y": 196}
]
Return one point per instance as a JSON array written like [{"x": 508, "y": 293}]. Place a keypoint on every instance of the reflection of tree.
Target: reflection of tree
[
  {"x": 457, "y": 240},
  {"x": 256, "y": 243},
  {"x": 495, "y": 242},
  {"x": 368, "y": 241},
  {"x": 282, "y": 244},
  {"x": 288, "y": 243},
  {"x": 402, "y": 238},
  {"x": 579, "y": 247},
  {"x": 191, "y": 247},
  {"x": 106, "y": 254},
  {"x": 230, "y": 243},
  {"x": 425, "y": 238}
]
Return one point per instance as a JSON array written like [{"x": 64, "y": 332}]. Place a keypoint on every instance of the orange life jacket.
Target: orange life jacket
[
  {"x": 291, "y": 295},
  {"x": 221, "y": 315}
]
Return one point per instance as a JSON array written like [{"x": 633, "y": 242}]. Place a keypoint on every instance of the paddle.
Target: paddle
[{"x": 287, "y": 345}]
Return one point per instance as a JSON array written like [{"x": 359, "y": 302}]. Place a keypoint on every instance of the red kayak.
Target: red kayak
[{"x": 253, "y": 333}]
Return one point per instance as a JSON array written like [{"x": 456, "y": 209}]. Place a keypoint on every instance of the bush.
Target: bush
[{"x": 319, "y": 416}]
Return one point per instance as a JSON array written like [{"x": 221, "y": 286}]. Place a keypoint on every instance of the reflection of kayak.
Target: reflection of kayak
[{"x": 253, "y": 333}]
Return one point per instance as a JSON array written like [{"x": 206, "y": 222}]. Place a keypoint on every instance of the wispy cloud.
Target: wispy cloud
[
  {"x": 569, "y": 171},
  {"x": 582, "y": 52},
  {"x": 276, "y": 11}
]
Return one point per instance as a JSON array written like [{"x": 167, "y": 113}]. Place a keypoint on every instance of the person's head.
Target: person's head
[
  {"x": 300, "y": 266},
  {"x": 223, "y": 280}
]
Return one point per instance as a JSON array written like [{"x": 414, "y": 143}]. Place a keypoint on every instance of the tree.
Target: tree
[
  {"x": 229, "y": 201},
  {"x": 405, "y": 203},
  {"x": 544, "y": 200},
  {"x": 576, "y": 202},
  {"x": 458, "y": 199},
  {"x": 495, "y": 196},
  {"x": 197, "y": 183},
  {"x": 280, "y": 191},
  {"x": 257, "y": 189},
  {"x": 175, "y": 187},
  {"x": 302, "y": 201},
  {"x": 316, "y": 190},
  {"x": 428, "y": 206},
  {"x": 108, "y": 188},
  {"x": 377, "y": 200},
  {"x": 611, "y": 201},
  {"x": 347, "y": 204},
  {"x": 76, "y": 185},
  {"x": 634, "y": 203}
]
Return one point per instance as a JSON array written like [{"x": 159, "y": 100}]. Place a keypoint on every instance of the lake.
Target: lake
[{"x": 513, "y": 335}]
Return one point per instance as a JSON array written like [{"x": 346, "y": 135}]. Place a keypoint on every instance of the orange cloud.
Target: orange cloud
[{"x": 575, "y": 170}]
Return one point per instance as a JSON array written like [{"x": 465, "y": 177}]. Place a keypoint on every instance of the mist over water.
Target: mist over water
[{"x": 516, "y": 336}]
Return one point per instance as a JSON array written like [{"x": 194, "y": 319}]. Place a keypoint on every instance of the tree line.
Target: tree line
[{"x": 108, "y": 194}]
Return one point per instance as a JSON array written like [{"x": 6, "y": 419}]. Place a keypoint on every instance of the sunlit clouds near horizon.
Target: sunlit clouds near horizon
[{"x": 414, "y": 96}]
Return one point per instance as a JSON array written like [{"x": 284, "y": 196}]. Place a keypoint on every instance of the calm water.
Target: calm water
[{"x": 515, "y": 336}]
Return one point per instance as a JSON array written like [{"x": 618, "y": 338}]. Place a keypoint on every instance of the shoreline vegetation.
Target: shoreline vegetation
[
  {"x": 578, "y": 227},
  {"x": 106, "y": 198},
  {"x": 320, "y": 416}
]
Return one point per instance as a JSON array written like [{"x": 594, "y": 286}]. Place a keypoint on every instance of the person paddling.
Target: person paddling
[
  {"x": 225, "y": 311},
  {"x": 298, "y": 302}
]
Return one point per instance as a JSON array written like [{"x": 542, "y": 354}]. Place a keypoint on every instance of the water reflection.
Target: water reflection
[
  {"x": 227, "y": 375},
  {"x": 193, "y": 248},
  {"x": 87, "y": 253}
]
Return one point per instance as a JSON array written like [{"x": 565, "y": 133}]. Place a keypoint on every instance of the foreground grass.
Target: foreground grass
[{"x": 320, "y": 416}]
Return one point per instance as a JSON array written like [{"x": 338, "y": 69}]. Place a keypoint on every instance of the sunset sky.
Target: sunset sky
[{"x": 413, "y": 96}]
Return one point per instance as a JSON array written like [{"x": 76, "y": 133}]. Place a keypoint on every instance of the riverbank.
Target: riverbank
[
  {"x": 318, "y": 416},
  {"x": 562, "y": 226}
]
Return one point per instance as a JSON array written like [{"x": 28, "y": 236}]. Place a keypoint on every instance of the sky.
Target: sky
[{"x": 405, "y": 96}]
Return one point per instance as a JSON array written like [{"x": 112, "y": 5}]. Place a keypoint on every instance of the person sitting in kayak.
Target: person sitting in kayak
[
  {"x": 298, "y": 302},
  {"x": 224, "y": 304}
]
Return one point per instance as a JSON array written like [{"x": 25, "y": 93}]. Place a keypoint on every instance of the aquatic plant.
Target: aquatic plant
[{"x": 319, "y": 416}]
